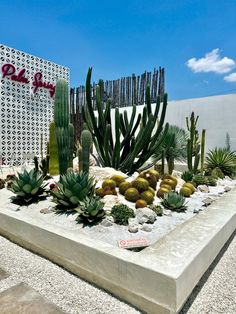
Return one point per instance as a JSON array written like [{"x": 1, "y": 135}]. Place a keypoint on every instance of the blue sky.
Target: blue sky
[{"x": 193, "y": 40}]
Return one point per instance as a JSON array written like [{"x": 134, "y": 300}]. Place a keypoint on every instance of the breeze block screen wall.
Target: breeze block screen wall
[{"x": 27, "y": 85}]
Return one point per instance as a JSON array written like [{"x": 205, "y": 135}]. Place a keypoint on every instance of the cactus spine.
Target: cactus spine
[
  {"x": 128, "y": 148},
  {"x": 84, "y": 150},
  {"x": 61, "y": 118},
  {"x": 53, "y": 150}
]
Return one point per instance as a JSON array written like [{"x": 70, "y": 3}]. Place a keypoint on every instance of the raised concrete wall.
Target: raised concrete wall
[{"x": 217, "y": 114}]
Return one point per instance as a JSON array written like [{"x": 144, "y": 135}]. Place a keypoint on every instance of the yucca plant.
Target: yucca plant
[
  {"x": 174, "y": 147},
  {"x": 72, "y": 188},
  {"x": 222, "y": 159},
  {"x": 90, "y": 210},
  {"x": 28, "y": 187},
  {"x": 174, "y": 201}
]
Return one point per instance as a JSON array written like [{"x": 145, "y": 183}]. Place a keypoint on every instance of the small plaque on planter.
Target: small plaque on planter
[{"x": 133, "y": 243}]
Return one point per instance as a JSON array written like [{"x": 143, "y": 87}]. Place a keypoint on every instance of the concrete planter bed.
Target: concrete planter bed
[{"x": 157, "y": 279}]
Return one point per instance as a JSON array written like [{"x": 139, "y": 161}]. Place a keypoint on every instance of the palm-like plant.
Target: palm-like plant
[
  {"x": 173, "y": 146},
  {"x": 222, "y": 159}
]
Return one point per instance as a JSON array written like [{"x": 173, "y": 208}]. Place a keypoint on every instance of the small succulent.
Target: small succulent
[
  {"x": 90, "y": 210},
  {"x": 28, "y": 187},
  {"x": 199, "y": 179},
  {"x": 211, "y": 181},
  {"x": 121, "y": 214},
  {"x": 174, "y": 201},
  {"x": 157, "y": 209},
  {"x": 187, "y": 176},
  {"x": 2, "y": 184}
]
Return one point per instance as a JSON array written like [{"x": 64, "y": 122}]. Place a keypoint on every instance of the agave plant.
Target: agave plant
[
  {"x": 174, "y": 201},
  {"x": 72, "y": 188},
  {"x": 174, "y": 147},
  {"x": 90, "y": 210},
  {"x": 28, "y": 186},
  {"x": 222, "y": 159}
]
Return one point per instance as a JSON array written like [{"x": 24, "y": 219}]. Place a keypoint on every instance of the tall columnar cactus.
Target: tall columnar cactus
[
  {"x": 71, "y": 144},
  {"x": 53, "y": 151},
  {"x": 203, "y": 139},
  {"x": 61, "y": 118},
  {"x": 193, "y": 144},
  {"x": 131, "y": 142},
  {"x": 84, "y": 150}
]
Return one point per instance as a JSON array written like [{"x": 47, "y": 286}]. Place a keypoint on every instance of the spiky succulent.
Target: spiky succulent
[
  {"x": 72, "y": 188},
  {"x": 28, "y": 186},
  {"x": 2, "y": 184},
  {"x": 121, "y": 214},
  {"x": 223, "y": 159},
  {"x": 90, "y": 210},
  {"x": 199, "y": 179},
  {"x": 174, "y": 201},
  {"x": 187, "y": 176}
]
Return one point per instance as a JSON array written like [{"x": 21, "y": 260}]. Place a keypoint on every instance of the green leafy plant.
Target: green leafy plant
[
  {"x": 121, "y": 214},
  {"x": 28, "y": 187},
  {"x": 90, "y": 210},
  {"x": 199, "y": 179},
  {"x": 72, "y": 188},
  {"x": 2, "y": 184},
  {"x": 211, "y": 181},
  {"x": 222, "y": 159},
  {"x": 187, "y": 176},
  {"x": 174, "y": 201},
  {"x": 131, "y": 142},
  {"x": 174, "y": 147},
  {"x": 157, "y": 209}
]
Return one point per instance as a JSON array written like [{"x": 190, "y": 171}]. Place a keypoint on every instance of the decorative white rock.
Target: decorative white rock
[
  {"x": 146, "y": 227},
  {"x": 203, "y": 188},
  {"x": 145, "y": 214}
]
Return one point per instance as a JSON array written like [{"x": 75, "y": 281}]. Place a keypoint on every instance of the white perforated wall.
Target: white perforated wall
[{"x": 25, "y": 113}]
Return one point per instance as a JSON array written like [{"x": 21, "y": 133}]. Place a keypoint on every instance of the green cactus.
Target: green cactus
[
  {"x": 71, "y": 144},
  {"x": 84, "y": 150},
  {"x": 61, "y": 118},
  {"x": 127, "y": 148},
  {"x": 53, "y": 151},
  {"x": 203, "y": 139},
  {"x": 193, "y": 144}
]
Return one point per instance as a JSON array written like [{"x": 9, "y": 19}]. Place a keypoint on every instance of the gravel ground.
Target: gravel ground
[
  {"x": 69, "y": 292},
  {"x": 215, "y": 293}
]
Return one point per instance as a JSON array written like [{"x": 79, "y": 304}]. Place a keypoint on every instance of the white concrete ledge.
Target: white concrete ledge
[{"x": 158, "y": 279}]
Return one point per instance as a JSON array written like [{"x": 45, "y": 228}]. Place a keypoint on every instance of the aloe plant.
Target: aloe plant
[
  {"x": 28, "y": 187},
  {"x": 90, "y": 210},
  {"x": 222, "y": 159},
  {"x": 174, "y": 201},
  {"x": 130, "y": 142},
  {"x": 72, "y": 188}
]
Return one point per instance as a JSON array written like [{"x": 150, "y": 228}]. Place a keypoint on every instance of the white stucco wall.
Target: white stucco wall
[{"x": 217, "y": 114}]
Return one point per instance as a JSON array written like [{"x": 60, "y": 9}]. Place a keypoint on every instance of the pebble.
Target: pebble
[{"x": 146, "y": 227}]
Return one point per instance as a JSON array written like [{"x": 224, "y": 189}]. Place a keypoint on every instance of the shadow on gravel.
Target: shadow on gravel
[{"x": 205, "y": 277}]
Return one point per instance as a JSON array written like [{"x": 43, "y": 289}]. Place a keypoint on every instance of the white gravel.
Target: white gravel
[{"x": 69, "y": 292}]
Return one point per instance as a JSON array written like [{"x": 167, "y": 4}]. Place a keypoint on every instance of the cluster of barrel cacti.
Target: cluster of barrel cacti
[{"x": 129, "y": 143}]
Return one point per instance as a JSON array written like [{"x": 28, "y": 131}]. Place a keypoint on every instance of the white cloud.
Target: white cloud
[
  {"x": 231, "y": 77},
  {"x": 211, "y": 62}
]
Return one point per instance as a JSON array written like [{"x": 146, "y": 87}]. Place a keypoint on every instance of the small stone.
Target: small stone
[
  {"x": 145, "y": 215},
  {"x": 203, "y": 188},
  {"x": 13, "y": 207},
  {"x": 133, "y": 228},
  {"x": 47, "y": 210},
  {"x": 197, "y": 210},
  {"x": 207, "y": 201},
  {"x": 106, "y": 222},
  {"x": 167, "y": 212},
  {"x": 146, "y": 227},
  {"x": 227, "y": 188}
]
